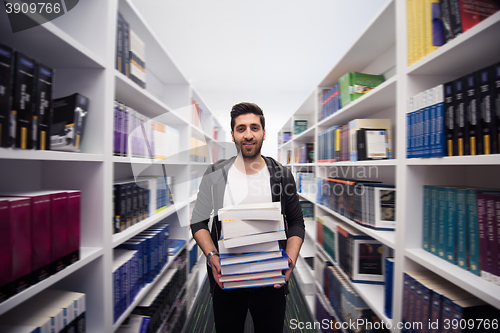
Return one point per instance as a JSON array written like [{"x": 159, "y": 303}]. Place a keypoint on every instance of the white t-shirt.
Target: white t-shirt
[{"x": 247, "y": 189}]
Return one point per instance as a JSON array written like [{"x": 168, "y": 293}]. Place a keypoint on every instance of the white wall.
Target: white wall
[{"x": 270, "y": 52}]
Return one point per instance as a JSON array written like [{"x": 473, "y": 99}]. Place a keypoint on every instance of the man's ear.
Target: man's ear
[
  {"x": 264, "y": 137},
  {"x": 232, "y": 136}
]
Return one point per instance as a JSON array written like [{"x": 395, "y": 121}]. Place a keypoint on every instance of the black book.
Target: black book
[
  {"x": 461, "y": 146},
  {"x": 68, "y": 123},
  {"x": 446, "y": 19},
  {"x": 486, "y": 108},
  {"x": 126, "y": 48},
  {"x": 449, "y": 118},
  {"x": 22, "y": 105},
  {"x": 6, "y": 81},
  {"x": 119, "y": 43},
  {"x": 472, "y": 114},
  {"x": 456, "y": 17},
  {"x": 42, "y": 114},
  {"x": 496, "y": 106}
]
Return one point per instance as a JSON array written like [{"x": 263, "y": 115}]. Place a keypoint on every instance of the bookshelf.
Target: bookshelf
[
  {"x": 83, "y": 52},
  {"x": 381, "y": 49}
]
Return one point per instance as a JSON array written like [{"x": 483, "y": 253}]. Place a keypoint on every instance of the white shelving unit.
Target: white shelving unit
[
  {"x": 381, "y": 49},
  {"x": 82, "y": 51}
]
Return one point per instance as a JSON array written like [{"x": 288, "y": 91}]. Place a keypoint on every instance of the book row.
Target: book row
[
  {"x": 304, "y": 153},
  {"x": 431, "y": 24},
  {"x": 48, "y": 311},
  {"x": 30, "y": 118},
  {"x": 136, "y": 135},
  {"x": 344, "y": 300},
  {"x": 138, "y": 262},
  {"x": 130, "y": 53},
  {"x": 284, "y": 137},
  {"x": 370, "y": 204},
  {"x": 360, "y": 139},
  {"x": 350, "y": 87},
  {"x": 160, "y": 302},
  {"x": 40, "y": 237},
  {"x": 431, "y": 303},
  {"x": 457, "y": 118},
  {"x": 460, "y": 225},
  {"x": 135, "y": 200}
]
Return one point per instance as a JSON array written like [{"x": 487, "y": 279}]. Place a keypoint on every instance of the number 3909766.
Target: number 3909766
[
  {"x": 34, "y": 7},
  {"x": 471, "y": 324}
]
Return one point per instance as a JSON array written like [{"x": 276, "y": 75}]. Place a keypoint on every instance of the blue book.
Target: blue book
[
  {"x": 442, "y": 218},
  {"x": 461, "y": 216},
  {"x": 433, "y": 127},
  {"x": 414, "y": 134},
  {"x": 175, "y": 245},
  {"x": 427, "y": 218},
  {"x": 434, "y": 226},
  {"x": 139, "y": 247},
  {"x": 440, "y": 142},
  {"x": 388, "y": 286},
  {"x": 148, "y": 265},
  {"x": 451, "y": 225},
  {"x": 427, "y": 131},
  {"x": 409, "y": 141}
]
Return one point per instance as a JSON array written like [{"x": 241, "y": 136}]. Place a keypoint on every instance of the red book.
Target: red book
[
  {"x": 59, "y": 206},
  {"x": 18, "y": 238},
  {"x": 5, "y": 250},
  {"x": 73, "y": 241}
]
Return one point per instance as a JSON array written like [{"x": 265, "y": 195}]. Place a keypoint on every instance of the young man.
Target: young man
[{"x": 246, "y": 178}]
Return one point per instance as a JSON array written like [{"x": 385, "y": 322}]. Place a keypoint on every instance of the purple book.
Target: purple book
[
  {"x": 41, "y": 235},
  {"x": 20, "y": 234},
  {"x": 5, "y": 250},
  {"x": 117, "y": 130},
  {"x": 125, "y": 115},
  {"x": 73, "y": 241},
  {"x": 59, "y": 229}
]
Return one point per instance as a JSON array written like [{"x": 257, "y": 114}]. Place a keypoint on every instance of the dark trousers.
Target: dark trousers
[{"x": 266, "y": 304}]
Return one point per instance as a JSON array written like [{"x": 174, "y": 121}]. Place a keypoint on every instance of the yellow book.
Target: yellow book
[
  {"x": 420, "y": 28},
  {"x": 410, "y": 32}
]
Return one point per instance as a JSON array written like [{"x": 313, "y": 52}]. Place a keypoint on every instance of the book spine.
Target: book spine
[
  {"x": 486, "y": 109},
  {"x": 495, "y": 145},
  {"x": 409, "y": 124},
  {"x": 496, "y": 225},
  {"x": 461, "y": 211},
  {"x": 73, "y": 244},
  {"x": 119, "y": 43},
  {"x": 433, "y": 145},
  {"x": 442, "y": 222},
  {"x": 7, "y": 56},
  {"x": 410, "y": 32},
  {"x": 446, "y": 20},
  {"x": 440, "y": 121},
  {"x": 473, "y": 233},
  {"x": 451, "y": 225},
  {"x": 43, "y": 107},
  {"x": 126, "y": 49},
  {"x": 456, "y": 17},
  {"x": 427, "y": 218},
  {"x": 427, "y": 127},
  {"x": 420, "y": 29},
  {"x": 59, "y": 230},
  {"x": 22, "y": 251},
  {"x": 449, "y": 116},
  {"x": 21, "y": 112},
  {"x": 472, "y": 112},
  {"x": 388, "y": 286},
  {"x": 6, "y": 249},
  {"x": 461, "y": 147},
  {"x": 41, "y": 237},
  {"x": 482, "y": 232},
  {"x": 492, "y": 238}
]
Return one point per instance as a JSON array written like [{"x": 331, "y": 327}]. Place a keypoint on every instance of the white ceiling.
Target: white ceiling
[{"x": 272, "y": 52}]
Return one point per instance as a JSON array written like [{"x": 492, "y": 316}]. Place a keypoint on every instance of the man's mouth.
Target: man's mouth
[{"x": 248, "y": 144}]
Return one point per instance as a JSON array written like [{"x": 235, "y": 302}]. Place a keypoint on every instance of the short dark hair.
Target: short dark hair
[{"x": 244, "y": 108}]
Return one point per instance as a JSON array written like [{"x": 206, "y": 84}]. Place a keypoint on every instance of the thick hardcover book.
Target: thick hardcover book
[
  {"x": 6, "y": 249},
  {"x": 385, "y": 207},
  {"x": 440, "y": 143},
  {"x": 461, "y": 147},
  {"x": 22, "y": 106},
  {"x": 42, "y": 113},
  {"x": 473, "y": 232},
  {"x": 456, "y": 17},
  {"x": 236, "y": 258},
  {"x": 388, "y": 286},
  {"x": 462, "y": 229},
  {"x": 426, "y": 223},
  {"x": 492, "y": 237},
  {"x": 449, "y": 116},
  {"x": 472, "y": 136},
  {"x": 486, "y": 107},
  {"x": 117, "y": 129},
  {"x": 69, "y": 120},
  {"x": 74, "y": 218},
  {"x": 6, "y": 80},
  {"x": 255, "y": 239},
  {"x": 371, "y": 144},
  {"x": 126, "y": 48},
  {"x": 59, "y": 207},
  {"x": 238, "y": 228},
  {"x": 362, "y": 83},
  {"x": 258, "y": 266},
  {"x": 19, "y": 237},
  {"x": 446, "y": 20},
  {"x": 264, "y": 247},
  {"x": 495, "y": 146},
  {"x": 482, "y": 231},
  {"x": 255, "y": 283},
  {"x": 442, "y": 222},
  {"x": 250, "y": 276},
  {"x": 451, "y": 225},
  {"x": 356, "y": 124},
  {"x": 264, "y": 211},
  {"x": 119, "y": 43}
]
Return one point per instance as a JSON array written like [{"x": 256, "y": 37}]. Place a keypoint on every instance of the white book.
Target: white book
[
  {"x": 257, "y": 266},
  {"x": 230, "y": 259},
  {"x": 251, "y": 276},
  {"x": 261, "y": 247},
  {"x": 262, "y": 211},
  {"x": 254, "y": 283},
  {"x": 255, "y": 239},
  {"x": 238, "y": 228}
]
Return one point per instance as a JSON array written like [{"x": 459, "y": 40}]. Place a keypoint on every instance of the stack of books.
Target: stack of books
[{"x": 250, "y": 255}]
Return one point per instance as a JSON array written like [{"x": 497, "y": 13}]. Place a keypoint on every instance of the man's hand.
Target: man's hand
[
  {"x": 215, "y": 264},
  {"x": 287, "y": 273}
]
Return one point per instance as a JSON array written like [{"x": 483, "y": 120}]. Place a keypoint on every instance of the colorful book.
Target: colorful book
[{"x": 257, "y": 266}]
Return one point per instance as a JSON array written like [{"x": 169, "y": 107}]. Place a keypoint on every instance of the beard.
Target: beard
[{"x": 248, "y": 154}]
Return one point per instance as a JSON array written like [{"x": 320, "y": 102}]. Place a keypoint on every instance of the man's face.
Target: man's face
[{"x": 248, "y": 135}]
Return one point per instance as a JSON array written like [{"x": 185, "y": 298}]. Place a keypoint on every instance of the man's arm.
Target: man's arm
[{"x": 206, "y": 244}]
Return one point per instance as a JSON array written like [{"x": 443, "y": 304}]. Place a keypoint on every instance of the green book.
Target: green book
[
  {"x": 442, "y": 222},
  {"x": 427, "y": 218},
  {"x": 362, "y": 83},
  {"x": 433, "y": 240},
  {"x": 345, "y": 89},
  {"x": 461, "y": 228},
  {"x": 451, "y": 225}
]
